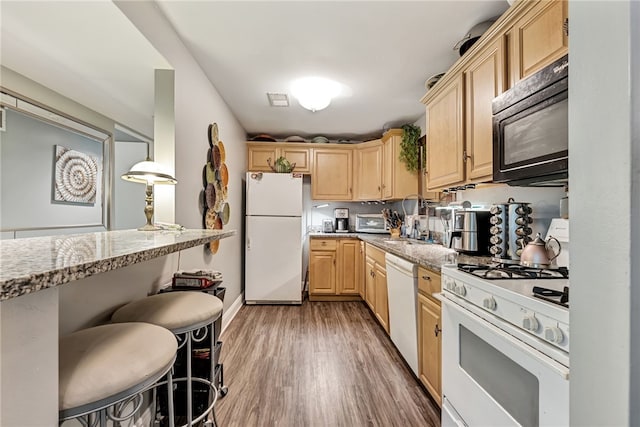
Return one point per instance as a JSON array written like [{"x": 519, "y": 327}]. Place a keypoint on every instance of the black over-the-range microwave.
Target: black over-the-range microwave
[{"x": 530, "y": 129}]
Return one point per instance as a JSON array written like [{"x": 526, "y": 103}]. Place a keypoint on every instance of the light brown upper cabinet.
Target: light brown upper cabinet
[
  {"x": 259, "y": 152},
  {"x": 537, "y": 39},
  {"x": 368, "y": 169},
  {"x": 459, "y": 143},
  {"x": 332, "y": 174},
  {"x": 445, "y": 139},
  {"x": 459, "y": 122},
  {"x": 484, "y": 80},
  {"x": 257, "y": 157},
  {"x": 397, "y": 181}
]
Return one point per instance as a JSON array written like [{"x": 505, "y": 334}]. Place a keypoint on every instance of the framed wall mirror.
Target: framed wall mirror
[{"x": 54, "y": 172}]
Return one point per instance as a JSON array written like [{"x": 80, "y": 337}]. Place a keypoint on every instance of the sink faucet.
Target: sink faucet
[{"x": 415, "y": 226}]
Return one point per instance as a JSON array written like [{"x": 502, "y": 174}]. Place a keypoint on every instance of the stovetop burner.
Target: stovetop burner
[
  {"x": 513, "y": 271},
  {"x": 556, "y": 297}
]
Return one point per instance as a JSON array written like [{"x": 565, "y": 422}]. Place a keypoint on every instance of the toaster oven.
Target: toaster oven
[{"x": 371, "y": 223}]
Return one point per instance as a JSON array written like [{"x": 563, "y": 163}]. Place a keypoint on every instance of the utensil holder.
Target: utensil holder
[{"x": 395, "y": 233}]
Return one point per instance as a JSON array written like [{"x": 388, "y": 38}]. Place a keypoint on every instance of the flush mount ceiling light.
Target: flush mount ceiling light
[{"x": 314, "y": 93}]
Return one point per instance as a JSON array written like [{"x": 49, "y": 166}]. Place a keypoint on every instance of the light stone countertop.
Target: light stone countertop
[
  {"x": 31, "y": 264},
  {"x": 429, "y": 255}
]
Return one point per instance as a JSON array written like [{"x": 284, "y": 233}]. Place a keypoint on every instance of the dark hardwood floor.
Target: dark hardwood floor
[{"x": 319, "y": 364}]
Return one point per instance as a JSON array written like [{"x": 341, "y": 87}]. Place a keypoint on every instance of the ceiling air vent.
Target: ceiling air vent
[{"x": 278, "y": 99}]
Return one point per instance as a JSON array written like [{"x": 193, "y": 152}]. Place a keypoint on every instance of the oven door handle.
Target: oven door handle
[{"x": 561, "y": 370}]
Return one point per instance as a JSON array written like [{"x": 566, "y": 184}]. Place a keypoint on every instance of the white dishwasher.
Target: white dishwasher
[{"x": 402, "y": 285}]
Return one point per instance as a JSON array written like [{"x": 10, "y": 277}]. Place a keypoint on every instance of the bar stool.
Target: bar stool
[
  {"x": 190, "y": 316},
  {"x": 105, "y": 369}
]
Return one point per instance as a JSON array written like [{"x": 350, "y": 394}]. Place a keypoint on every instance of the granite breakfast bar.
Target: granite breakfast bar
[{"x": 33, "y": 272}]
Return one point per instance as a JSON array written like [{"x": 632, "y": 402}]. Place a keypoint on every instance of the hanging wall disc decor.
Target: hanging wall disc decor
[{"x": 215, "y": 179}]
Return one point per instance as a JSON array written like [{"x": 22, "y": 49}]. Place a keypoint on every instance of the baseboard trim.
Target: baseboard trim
[{"x": 231, "y": 312}]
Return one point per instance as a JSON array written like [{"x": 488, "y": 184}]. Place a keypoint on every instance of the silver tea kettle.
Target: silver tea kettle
[{"x": 538, "y": 253}]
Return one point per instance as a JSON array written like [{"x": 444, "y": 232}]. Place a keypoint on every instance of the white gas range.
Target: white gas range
[{"x": 505, "y": 352}]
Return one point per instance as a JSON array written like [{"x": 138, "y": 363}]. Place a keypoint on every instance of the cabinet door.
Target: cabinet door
[
  {"x": 257, "y": 158},
  {"x": 445, "y": 144},
  {"x": 538, "y": 38},
  {"x": 484, "y": 80},
  {"x": 332, "y": 174},
  {"x": 404, "y": 182},
  {"x": 387, "y": 170},
  {"x": 369, "y": 172},
  {"x": 399, "y": 179},
  {"x": 382, "y": 301},
  {"x": 322, "y": 272},
  {"x": 348, "y": 250},
  {"x": 429, "y": 345},
  {"x": 300, "y": 156},
  {"x": 361, "y": 273},
  {"x": 370, "y": 283}
]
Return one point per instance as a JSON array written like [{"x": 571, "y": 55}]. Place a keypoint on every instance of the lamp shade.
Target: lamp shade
[
  {"x": 149, "y": 172},
  {"x": 314, "y": 93}
]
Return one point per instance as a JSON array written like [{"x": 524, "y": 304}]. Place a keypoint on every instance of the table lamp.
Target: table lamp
[{"x": 149, "y": 173}]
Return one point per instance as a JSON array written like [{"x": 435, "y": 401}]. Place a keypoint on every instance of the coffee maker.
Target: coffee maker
[
  {"x": 470, "y": 232},
  {"x": 342, "y": 220}
]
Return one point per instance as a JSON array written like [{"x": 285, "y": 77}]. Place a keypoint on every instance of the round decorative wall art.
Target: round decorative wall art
[
  {"x": 215, "y": 179},
  {"x": 76, "y": 177}
]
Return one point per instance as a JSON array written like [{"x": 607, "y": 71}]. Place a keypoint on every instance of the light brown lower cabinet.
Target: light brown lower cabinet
[
  {"x": 362, "y": 265},
  {"x": 333, "y": 269},
  {"x": 376, "y": 294},
  {"x": 429, "y": 333},
  {"x": 370, "y": 283}
]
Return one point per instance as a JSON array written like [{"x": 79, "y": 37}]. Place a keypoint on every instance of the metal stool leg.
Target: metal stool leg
[
  {"x": 189, "y": 382},
  {"x": 170, "y": 398}
]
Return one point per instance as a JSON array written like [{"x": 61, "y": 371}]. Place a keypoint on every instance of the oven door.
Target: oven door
[{"x": 490, "y": 378}]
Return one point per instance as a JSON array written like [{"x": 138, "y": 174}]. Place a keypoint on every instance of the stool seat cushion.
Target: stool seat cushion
[
  {"x": 104, "y": 361},
  {"x": 172, "y": 310}
]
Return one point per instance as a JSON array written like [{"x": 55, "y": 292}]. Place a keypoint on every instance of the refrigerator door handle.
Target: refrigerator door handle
[{"x": 248, "y": 244}]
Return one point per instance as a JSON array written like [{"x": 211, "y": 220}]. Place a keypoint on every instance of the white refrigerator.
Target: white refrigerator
[{"x": 273, "y": 238}]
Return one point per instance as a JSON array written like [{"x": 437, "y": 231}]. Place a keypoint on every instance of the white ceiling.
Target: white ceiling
[{"x": 382, "y": 51}]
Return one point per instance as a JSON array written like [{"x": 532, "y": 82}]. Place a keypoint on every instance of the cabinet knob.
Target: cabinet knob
[
  {"x": 465, "y": 156},
  {"x": 426, "y": 277},
  {"x": 437, "y": 330},
  {"x": 378, "y": 188},
  {"x": 324, "y": 243}
]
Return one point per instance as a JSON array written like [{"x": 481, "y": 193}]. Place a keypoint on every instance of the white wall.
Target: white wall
[
  {"x": 603, "y": 169},
  {"x": 128, "y": 196},
  {"x": 634, "y": 395},
  {"x": 197, "y": 104}
]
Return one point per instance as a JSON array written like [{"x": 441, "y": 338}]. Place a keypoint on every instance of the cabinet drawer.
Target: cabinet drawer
[
  {"x": 429, "y": 281},
  {"x": 376, "y": 254},
  {"x": 323, "y": 244}
]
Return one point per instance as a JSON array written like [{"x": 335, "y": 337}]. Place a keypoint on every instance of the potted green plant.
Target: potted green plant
[{"x": 410, "y": 146}]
